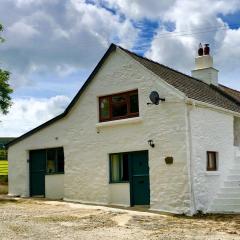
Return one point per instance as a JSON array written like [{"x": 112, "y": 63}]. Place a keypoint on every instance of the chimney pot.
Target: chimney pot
[
  {"x": 200, "y": 50},
  {"x": 206, "y": 49}
]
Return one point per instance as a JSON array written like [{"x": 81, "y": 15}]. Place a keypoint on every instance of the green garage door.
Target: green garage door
[{"x": 37, "y": 165}]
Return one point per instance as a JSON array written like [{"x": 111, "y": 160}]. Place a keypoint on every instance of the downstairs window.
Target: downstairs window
[
  {"x": 119, "y": 168},
  {"x": 55, "y": 161}
]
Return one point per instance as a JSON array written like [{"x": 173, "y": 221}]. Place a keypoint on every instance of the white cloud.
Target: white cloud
[
  {"x": 188, "y": 16},
  {"x": 25, "y": 3},
  {"x": 139, "y": 9},
  {"x": 25, "y": 114},
  {"x": 201, "y": 17},
  {"x": 49, "y": 34},
  {"x": 17, "y": 30}
]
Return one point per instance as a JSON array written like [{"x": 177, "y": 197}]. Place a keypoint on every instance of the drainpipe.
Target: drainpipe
[{"x": 191, "y": 172}]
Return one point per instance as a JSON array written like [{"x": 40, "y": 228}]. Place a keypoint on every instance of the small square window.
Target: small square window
[{"x": 211, "y": 161}]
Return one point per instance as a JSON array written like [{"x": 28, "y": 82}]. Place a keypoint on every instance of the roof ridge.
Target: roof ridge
[
  {"x": 235, "y": 90},
  {"x": 170, "y": 68}
]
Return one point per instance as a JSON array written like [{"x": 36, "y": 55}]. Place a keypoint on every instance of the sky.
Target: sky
[{"x": 52, "y": 46}]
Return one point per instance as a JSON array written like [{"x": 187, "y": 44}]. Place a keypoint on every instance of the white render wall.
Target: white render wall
[
  {"x": 119, "y": 194},
  {"x": 211, "y": 131},
  {"x": 87, "y": 144},
  {"x": 54, "y": 186}
]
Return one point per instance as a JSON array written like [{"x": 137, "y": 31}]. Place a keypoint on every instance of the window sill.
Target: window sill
[
  {"x": 54, "y": 173},
  {"x": 118, "y": 182},
  {"x": 119, "y": 122},
  {"x": 212, "y": 173}
]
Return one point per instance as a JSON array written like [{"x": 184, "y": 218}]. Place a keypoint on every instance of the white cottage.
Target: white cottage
[{"x": 112, "y": 145}]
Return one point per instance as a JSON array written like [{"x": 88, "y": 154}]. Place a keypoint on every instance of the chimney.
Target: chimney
[{"x": 204, "y": 69}]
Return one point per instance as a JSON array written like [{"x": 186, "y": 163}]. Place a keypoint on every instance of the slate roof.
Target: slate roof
[
  {"x": 193, "y": 88},
  {"x": 232, "y": 92},
  {"x": 220, "y": 96}
]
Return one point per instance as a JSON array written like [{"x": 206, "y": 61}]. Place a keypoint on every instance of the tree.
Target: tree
[{"x": 5, "y": 89}]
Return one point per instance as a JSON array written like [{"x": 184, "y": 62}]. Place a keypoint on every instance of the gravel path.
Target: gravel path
[{"x": 42, "y": 219}]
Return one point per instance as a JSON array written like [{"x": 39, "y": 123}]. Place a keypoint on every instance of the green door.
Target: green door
[
  {"x": 139, "y": 182},
  {"x": 37, "y": 166}
]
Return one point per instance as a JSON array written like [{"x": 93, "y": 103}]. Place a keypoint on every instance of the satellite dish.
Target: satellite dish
[{"x": 154, "y": 97}]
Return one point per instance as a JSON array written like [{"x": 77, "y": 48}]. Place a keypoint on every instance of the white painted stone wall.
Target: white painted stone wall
[
  {"x": 211, "y": 131},
  {"x": 87, "y": 144},
  {"x": 54, "y": 186},
  {"x": 119, "y": 194},
  {"x": 207, "y": 75}
]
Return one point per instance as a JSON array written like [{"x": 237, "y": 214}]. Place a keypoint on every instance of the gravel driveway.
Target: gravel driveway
[{"x": 42, "y": 219}]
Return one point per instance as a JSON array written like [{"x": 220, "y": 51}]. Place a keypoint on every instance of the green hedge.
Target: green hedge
[
  {"x": 3, "y": 154},
  {"x": 4, "y": 179}
]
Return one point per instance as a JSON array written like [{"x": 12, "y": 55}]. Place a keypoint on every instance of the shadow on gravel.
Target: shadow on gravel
[{"x": 8, "y": 200}]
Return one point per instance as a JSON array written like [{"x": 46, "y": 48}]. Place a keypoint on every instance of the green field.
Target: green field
[
  {"x": 3, "y": 163},
  {"x": 3, "y": 168}
]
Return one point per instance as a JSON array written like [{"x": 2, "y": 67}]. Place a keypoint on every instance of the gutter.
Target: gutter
[{"x": 193, "y": 102}]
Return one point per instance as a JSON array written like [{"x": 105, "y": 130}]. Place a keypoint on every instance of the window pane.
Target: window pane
[
  {"x": 51, "y": 161},
  {"x": 134, "y": 103},
  {"x": 51, "y": 154},
  {"x": 119, "y": 168},
  {"x": 115, "y": 171},
  {"x": 124, "y": 168},
  {"x": 51, "y": 168},
  {"x": 60, "y": 160},
  {"x": 104, "y": 107},
  {"x": 212, "y": 161},
  {"x": 119, "y": 106}
]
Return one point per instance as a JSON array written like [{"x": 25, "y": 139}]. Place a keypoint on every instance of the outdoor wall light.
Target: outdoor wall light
[{"x": 150, "y": 143}]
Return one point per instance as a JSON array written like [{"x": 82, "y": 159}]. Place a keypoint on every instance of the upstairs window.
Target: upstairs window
[
  {"x": 118, "y": 106},
  {"x": 211, "y": 161}
]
